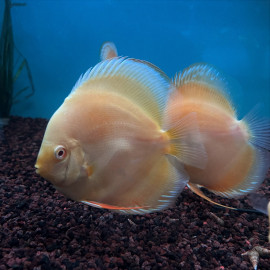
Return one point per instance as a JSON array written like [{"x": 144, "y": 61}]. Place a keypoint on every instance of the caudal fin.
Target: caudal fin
[
  {"x": 258, "y": 136},
  {"x": 262, "y": 204},
  {"x": 259, "y": 202},
  {"x": 258, "y": 128}
]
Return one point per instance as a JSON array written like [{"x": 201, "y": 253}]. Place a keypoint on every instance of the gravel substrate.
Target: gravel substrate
[{"x": 41, "y": 229}]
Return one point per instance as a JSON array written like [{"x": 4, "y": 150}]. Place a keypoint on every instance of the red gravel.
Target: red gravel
[{"x": 41, "y": 229}]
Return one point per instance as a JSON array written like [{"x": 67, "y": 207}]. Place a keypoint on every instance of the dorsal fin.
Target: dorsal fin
[
  {"x": 140, "y": 81},
  {"x": 107, "y": 51},
  {"x": 201, "y": 73},
  {"x": 205, "y": 83}
]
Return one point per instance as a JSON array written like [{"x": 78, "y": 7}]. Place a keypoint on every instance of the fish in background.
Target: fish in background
[
  {"x": 108, "y": 145},
  {"x": 107, "y": 51},
  {"x": 237, "y": 150},
  {"x": 262, "y": 204}
]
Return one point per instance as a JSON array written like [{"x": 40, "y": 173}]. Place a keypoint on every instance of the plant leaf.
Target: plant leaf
[{"x": 17, "y": 74}]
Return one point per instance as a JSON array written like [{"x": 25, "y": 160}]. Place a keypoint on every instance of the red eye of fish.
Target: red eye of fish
[{"x": 60, "y": 152}]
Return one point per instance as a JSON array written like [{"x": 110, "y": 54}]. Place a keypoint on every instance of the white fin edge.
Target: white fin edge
[
  {"x": 92, "y": 204},
  {"x": 201, "y": 73},
  {"x": 81, "y": 80},
  {"x": 152, "y": 85},
  {"x": 204, "y": 74}
]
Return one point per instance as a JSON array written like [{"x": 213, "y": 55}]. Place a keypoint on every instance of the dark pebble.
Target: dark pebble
[{"x": 41, "y": 229}]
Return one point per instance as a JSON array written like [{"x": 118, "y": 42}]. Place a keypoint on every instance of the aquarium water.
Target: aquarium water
[{"x": 61, "y": 39}]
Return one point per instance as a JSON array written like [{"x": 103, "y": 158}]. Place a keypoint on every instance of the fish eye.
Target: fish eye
[{"x": 60, "y": 152}]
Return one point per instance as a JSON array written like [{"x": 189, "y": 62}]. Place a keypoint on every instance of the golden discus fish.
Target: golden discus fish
[
  {"x": 237, "y": 150},
  {"x": 108, "y": 146}
]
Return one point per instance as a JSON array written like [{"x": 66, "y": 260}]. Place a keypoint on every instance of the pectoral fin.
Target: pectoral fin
[{"x": 186, "y": 141}]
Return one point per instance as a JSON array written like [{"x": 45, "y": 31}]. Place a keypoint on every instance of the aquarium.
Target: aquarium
[{"x": 46, "y": 45}]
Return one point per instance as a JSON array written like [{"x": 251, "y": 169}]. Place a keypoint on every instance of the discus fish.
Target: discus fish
[
  {"x": 262, "y": 204},
  {"x": 108, "y": 146},
  {"x": 237, "y": 150},
  {"x": 108, "y": 50}
]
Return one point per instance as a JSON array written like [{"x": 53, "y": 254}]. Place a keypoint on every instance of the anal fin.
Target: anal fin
[
  {"x": 123, "y": 209},
  {"x": 195, "y": 188}
]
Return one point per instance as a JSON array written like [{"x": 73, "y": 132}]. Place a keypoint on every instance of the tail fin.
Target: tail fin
[
  {"x": 257, "y": 134},
  {"x": 262, "y": 204},
  {"x": 259, "y": 202},
  {"x": 258, "y": 128}
]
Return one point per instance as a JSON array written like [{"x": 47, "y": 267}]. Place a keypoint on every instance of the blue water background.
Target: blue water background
[{"x": 61, "y": 39}]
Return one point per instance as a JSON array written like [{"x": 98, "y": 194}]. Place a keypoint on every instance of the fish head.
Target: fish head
[{"x": 60, "y": 159}]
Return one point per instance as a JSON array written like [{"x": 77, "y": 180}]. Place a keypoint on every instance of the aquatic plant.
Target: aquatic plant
[{"x": 10, "y": 70}]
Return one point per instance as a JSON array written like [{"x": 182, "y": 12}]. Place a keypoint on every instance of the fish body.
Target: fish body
[
  {"x": 117, "y": 137},
  {"x": 237, "y": 156},
  {"x": 106, "y": 146}
]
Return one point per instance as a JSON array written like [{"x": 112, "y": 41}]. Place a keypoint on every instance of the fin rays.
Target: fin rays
[
  {"x": 201, "y": 73},
  {"x": 186, "y": 140},
  {"x": 137, "y": 80},
  {"x": 258, "y": 128},
  {"x": 206, "y": 84}
]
